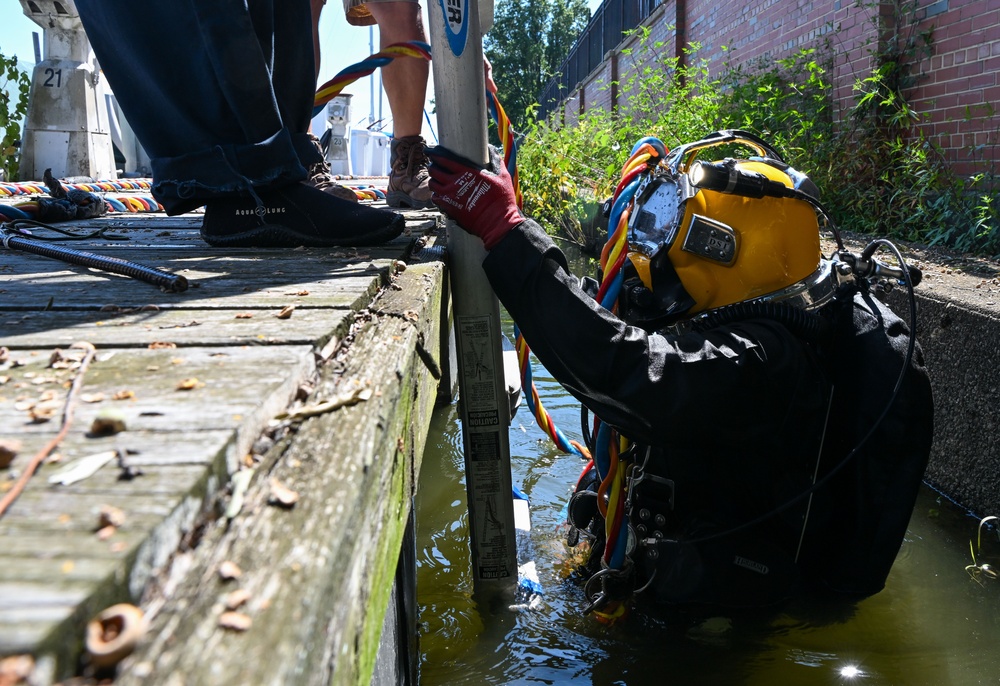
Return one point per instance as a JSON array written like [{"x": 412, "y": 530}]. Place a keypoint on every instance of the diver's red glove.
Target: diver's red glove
[{"x": 480, "y": 199}]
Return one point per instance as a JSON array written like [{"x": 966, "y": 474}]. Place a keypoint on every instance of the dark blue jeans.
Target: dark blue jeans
[{"x": 219, "y": 92}]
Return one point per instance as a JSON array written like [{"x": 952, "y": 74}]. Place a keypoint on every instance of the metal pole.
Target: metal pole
[
  {"x": 460, "y": 96},
  {"x": 371, "y": 79}
]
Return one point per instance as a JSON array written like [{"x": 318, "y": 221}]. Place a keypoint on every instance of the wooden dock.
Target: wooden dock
[{"x": 260, "y": 437}]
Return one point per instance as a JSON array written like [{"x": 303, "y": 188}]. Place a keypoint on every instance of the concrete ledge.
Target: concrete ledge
[{"x": 959, "y": 329}]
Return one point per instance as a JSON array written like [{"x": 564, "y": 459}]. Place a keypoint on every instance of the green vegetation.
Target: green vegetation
[
  {"x": 13, "y": 107},
  {"x": 980, "y": 570},
  {"x": 878, "y": 171}
]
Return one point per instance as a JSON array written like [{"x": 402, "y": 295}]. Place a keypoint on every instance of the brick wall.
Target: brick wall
[{"x": 958, "y": 89}]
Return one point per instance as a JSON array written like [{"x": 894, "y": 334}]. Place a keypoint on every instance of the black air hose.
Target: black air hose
[
  {"x": 806, "y": 325},
  {"x": 169, "y": 283}
]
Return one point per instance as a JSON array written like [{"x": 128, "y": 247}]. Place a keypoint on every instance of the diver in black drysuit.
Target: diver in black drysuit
[{"x": 736, "y": 416}]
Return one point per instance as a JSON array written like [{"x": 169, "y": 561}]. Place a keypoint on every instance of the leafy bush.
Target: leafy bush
[
  {"x": 12, "y": 111},
  {"x": 878, "y": 172},
  {"x": 564, "y": 171}
]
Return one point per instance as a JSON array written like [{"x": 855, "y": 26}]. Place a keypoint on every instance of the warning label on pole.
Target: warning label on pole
[
  {"x": 490, "y": 532},
  {"x": 488, "y": 485},
  {"x": 479, "y": 392}
]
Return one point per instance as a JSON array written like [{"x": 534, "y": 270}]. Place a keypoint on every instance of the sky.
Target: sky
[{"x": 341, "y": 45}]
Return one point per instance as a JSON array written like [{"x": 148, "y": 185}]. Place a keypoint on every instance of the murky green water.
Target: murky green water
[{"x": 932, "y": 626}]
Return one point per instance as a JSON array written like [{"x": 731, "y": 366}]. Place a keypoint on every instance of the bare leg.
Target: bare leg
[{"x": 405, "y": 79}]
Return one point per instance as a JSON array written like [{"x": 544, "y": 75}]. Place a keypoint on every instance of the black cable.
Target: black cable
[
  {"x": 588, "y": 438},
  {"x": 169, "y": 283},
  {"x": 64, "y": 235},
  {"x": 806, "y": 325}
]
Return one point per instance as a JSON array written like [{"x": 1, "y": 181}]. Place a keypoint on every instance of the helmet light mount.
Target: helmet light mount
[{"x": 728, "y": 177}]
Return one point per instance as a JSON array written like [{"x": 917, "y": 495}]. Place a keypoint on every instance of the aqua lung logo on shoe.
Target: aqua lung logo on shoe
[
  {"x": 261, "y": 211},
  {"x": 758, "y": 567}
]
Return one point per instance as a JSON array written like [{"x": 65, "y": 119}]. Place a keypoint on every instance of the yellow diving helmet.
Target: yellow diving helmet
[{"x": 729, "y": 231}]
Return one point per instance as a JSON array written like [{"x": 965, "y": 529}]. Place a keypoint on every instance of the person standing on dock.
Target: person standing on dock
[
  {"x": 220, "y": 95},
  {"x": 769, "y": 419},
  {"x": 405, "y": 83}
]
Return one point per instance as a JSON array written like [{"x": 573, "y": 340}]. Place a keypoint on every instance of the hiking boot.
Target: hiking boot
[
  {"x": 293, "y": 216},
  {"x": 408, "y": 175},
  {"x": 321, "y": 178}
]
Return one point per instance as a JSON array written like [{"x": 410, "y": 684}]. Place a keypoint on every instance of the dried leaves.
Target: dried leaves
[
  {"x": 229, "y": 570},
  {"x": 351, "y": 397},
  {"x": 235, "y": 621},
  {"x": 80, "y": 469},
  {"x": 235, "y": 599},
  {"x": 8, "y": 451},
  {"x": 282, "y": 495},
  {"x": 107, "y": 423},
  {"x": 189, "y": 384}
]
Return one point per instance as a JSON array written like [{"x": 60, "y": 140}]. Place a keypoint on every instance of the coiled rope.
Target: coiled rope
[
  {"x": 348, "y": 75},
  {"x": 130, "y": 202}
]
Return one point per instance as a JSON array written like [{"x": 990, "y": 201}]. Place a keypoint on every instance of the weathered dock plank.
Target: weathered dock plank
[
  {"x": 177, "y": 390},
  {"x": 196, "y": 377},
  {"x": 252, "y": 325},
  {"x": 245, "y": 280},
  {"x": 318, "y": 574}
]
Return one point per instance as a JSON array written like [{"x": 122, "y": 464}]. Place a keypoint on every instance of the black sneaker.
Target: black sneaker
[{"x": 293, "y": 216}]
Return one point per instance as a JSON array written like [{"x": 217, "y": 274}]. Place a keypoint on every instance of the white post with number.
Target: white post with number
[{"x": 68, "y": 127}]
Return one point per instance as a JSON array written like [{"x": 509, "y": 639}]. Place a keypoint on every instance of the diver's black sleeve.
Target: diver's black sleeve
[{"x": 711, "y": 389}]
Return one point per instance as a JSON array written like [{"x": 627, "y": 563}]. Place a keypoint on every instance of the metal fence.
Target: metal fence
[{"x": 605, "y": 31}]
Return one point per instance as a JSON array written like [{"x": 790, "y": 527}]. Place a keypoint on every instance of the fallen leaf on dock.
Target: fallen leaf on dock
[
  {"x": 66, "y": 359},
  {"x": 229, "y": 570},
  {"x": 8, "y": 451},
  {"x": 282, "y": 495},
  {"x": 43, "y": 412},
  {"x": 91, "y": 397},
  {"x": 235, "y": 621},
  {"x": 189, "y": 384},
  {"x": 107, "y": 423},
  {"x": 110, "y": 516},
  {"x": 342, "y": 400},
  {"x": 80, "y": 469},
  {"x": 240, "y": 483},
  {"x": 124, "y": 395},
  {"x": 161, "y": 345},
  {"x": 286, "y": 312},
  {"x": 244, "y": 315},
  {"x": 237, "y": 598},
  {"x": 16, "y": 669}
]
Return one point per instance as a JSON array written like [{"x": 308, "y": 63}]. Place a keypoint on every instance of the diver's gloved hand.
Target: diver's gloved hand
[{"x": 481, "y": 200}]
